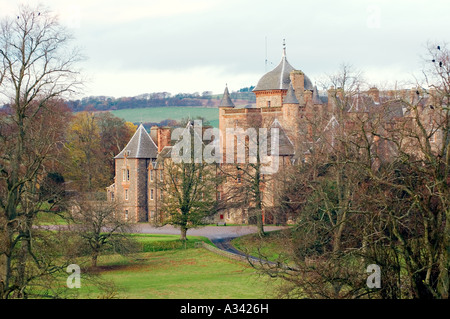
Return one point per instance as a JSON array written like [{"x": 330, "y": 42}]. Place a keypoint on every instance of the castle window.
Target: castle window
[
  {"x": 268, "y": 103},
  {"x": 238, "y": 179},
  {"x": 161, "y": 175},
  {"x": 126, "y": 193},
  {"x": 126, "y": 175},
  {"x": 151, "y": 194},
  {"x": 161, "y": 195},
  {"x": 151, "y": 175},
  {"x": 126, "y": 214}
]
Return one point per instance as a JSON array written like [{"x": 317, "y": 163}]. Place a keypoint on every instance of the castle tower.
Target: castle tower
[
  {"x": 291, "y": 113},
  {"x": 273, "y": 86},
  {"x": 131, "y": 181},
  {"x": 224, "y": 121}
]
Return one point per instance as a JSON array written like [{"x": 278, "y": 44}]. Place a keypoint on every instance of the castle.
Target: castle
[{"x": 286, "y": 99}]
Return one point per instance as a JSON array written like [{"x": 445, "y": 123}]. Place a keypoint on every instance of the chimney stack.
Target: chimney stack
[
  {"x": 374, "y": 93},
  {"x": 163, "y": 137}
]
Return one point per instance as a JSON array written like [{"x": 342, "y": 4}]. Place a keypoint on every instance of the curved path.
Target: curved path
[{"x": 219, "y": 235}]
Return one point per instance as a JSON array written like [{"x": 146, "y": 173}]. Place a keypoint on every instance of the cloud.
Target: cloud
[
  {"x": 198, "y": 79},
  {"x": 110, "y": 12},
  {"x": 118, "y": 12},
  {"x": 170, "y": 44}
]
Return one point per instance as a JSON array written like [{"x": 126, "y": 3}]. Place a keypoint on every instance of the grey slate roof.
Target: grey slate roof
[
  {"x": 279, "y": 79},
  {"x": 315, "y": 96},
  {"x": 226, "y": 100},
  {"x": 140, "y": 145},
  {"x": 290, "y": 96},
  {"x": 285, "y": 146}
]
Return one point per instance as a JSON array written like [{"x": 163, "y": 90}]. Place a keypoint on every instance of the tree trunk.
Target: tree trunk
[
  {"x": 183, "y": 233},
  {"x": 94, "y": 258},
  {"x": 260, "y": 224}
]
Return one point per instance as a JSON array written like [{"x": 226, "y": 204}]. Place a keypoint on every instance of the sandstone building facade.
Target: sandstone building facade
[{"x": 286, "y": 99}]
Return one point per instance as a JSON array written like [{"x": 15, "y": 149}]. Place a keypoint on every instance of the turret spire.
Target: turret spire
[
  {"x": 290, "y": 97},
  {"x": 226, "y": 100}
]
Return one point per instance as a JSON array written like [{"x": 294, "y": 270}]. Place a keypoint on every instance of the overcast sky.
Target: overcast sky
[{"x": 143, "y": 46}]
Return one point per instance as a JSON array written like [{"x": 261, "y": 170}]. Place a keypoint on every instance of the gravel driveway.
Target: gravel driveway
[
  {"x": 214, "y": 233},
  {"x": 221, "y": 236}
]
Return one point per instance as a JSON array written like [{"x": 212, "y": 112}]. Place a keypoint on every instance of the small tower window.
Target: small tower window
[
  {"x": 268, "y": 103},
  {"x": 126, "y": 193},
  {"x": 126, "y": 175},
  {"x": 151, "y": 194}
]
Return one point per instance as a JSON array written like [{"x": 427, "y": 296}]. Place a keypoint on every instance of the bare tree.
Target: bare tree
[
  {"x": 100, "y": 226},
  {"x": 418, "y": 181},
  {"x": 190, "y": 185},
  {"x": 374, "y": 190},
  {"x": 250, "y": 177},
  {"x": 37, "y": 68}
]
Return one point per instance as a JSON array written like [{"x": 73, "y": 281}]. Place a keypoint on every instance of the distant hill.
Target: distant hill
[
  {"x": 243, "y": 97},
  {"x": 168, "y": 115}
]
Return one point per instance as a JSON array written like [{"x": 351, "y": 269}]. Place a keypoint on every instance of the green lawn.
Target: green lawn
[
  {"x": 192, "y": 273},
  {"x": 272, "y": 247},
  {"x": 158, "y": 114}
]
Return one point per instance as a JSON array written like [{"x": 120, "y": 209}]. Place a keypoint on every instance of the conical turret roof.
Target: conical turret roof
[
  {"x": 285, "y": 146},
  {"x": 226, "y": 100},
  {"x": 290, "y": 96},
  {"x": 315, "y": 96},
  {"x": 140, "y": 145}
]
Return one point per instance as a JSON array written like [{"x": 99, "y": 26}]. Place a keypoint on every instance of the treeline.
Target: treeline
[
  {"x": 158, "y": 99},
  {"x": 46, "y": 150}
]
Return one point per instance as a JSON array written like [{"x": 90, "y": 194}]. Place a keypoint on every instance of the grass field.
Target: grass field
[
  {"x": 173, "y": 273},
  {"x": 158, "y": 114},
  {"x": 273, "y": 247}
]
